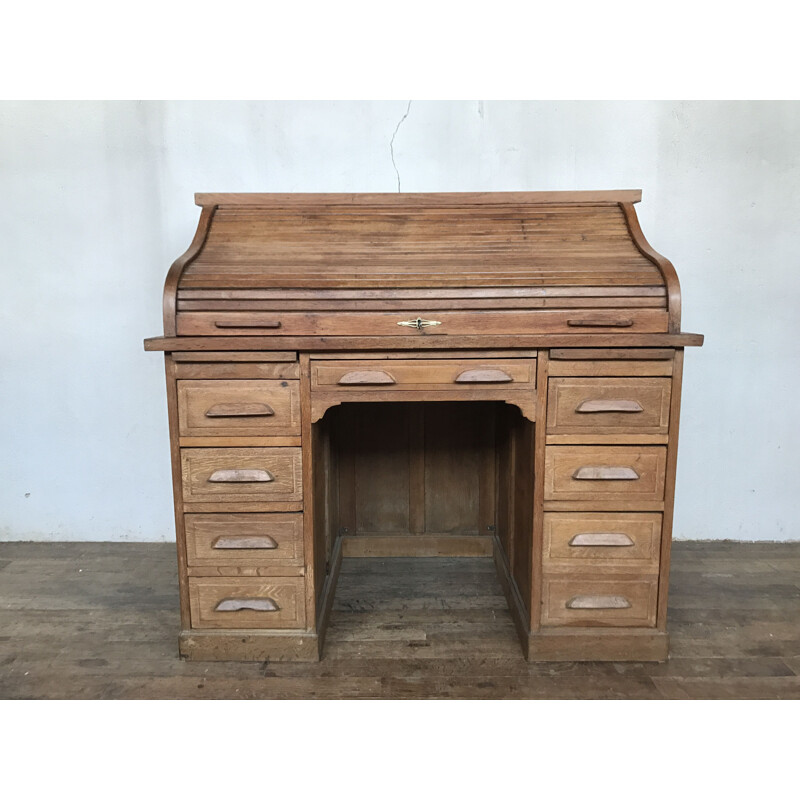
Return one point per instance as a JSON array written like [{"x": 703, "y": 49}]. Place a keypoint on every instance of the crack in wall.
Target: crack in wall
[{"x": 391, "y": 143}]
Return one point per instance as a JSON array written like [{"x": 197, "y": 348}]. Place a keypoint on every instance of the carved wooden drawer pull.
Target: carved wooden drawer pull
[
  {"x": 605, "y": 474},
  {"x": 366, "y": 376},
  {"x": 241, "y": 410},
  {"x": 600, "y": 322},
  {"x": 247, "y": 604},
  {"x": 595, "y": 406},
  {"x": 596, "y": 601},
  {"x": 241, "y": 476},
  {"x": 269, "y": 323},
  {"x": 483, "y": 376},
  {"x": 601, "y": 540},
  {"x": 245, "y": 543}
]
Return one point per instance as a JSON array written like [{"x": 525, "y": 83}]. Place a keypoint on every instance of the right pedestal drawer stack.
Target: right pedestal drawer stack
[{"x": 606, "y": 489}]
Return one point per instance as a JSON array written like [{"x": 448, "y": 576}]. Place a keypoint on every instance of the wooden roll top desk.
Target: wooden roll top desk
[{"x": 416, "y": 375}]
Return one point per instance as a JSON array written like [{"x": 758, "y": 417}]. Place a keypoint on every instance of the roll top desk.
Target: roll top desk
[{"x": 415, "y": 375}]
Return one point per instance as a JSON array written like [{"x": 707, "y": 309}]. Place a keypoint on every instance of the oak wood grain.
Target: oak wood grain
[
  {"x": 313, "y": 549},
  {"x": 669, "y": 489},
  {"x": 176, "y": 270},
  {"x": 236, "y": 370},
  {"x": 664, "y": 265},
  {"x": 539, "y": 492},
  {"x": 611, "y": 369},
  {"x": 416, "y": 199},
  {"x": 641, "y": 473},
  {"x": 214, "y": 540},
  {"x": 591, "y": 542},
  {"x": 272, "y": 356},
  {"x": 422, "y": 342},
  {"x": 608, "y": 405},
  {"x": 422, "y": 374},
  {"x": 239, "y": 408},
  {"x": 325, "y": 294},
  {"x": 284, "y": 464},
  {"x": 590, "y": 602},
  {"x": 288, "y": 324},
  {"x": 611, "y": 354},
  {"x": 240, "y": 441},
  {"x": 177, "y": 486},
  {"x": 247, "y": 602}
]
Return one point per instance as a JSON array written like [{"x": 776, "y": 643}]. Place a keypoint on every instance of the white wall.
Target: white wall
[{"x": 96, "y": 200}]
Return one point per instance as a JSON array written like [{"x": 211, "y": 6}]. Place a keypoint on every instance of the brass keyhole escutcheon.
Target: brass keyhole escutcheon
[{"x": 419, "y": 323}]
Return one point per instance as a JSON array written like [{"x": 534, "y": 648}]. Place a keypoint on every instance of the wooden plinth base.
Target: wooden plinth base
[
  {"x": 246, "y": 645},
  {"x": 609, "y": 644}
]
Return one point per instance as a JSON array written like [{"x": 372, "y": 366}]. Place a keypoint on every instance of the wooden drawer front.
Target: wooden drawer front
[
  {"x": 247, "y": 602},
  {"x": 238, "y": 408},
  {"x": 605, "y": 473},
  {"x": 601, "y": 541},
  {"x": 241, "y": 474},
  {"x": 244, "y": 539},
  {"x": 379, "y": 323},
  {"x": 599, "y": 602},
  {"x": 608, "y": 405},
  {"x": 423, "y": 374}
]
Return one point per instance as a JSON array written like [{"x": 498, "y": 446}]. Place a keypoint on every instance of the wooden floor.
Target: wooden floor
[{"x": 101, "y": 621}]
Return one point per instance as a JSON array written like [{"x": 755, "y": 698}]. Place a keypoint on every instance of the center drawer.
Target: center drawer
[
  {"x": 241, "y": 474},
  {"x": 422, "y": 374}
]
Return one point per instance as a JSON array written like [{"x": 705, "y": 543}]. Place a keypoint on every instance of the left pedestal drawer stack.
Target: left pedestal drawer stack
[{"x": 239, "y": 500}]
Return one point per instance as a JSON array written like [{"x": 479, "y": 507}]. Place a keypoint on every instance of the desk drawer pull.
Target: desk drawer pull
[
  {"x": 483, "y": 376},
  {"x": 240, "y": 410},
  {"x": 601, "y": 540},
  {"x": 600, "y": 322},
  {"x": 605, "y": 474},
  {"x": 269, "y": 323},
  {"x": 245, "y": 543},
  {"x": 595, "y": 406},
  {"x": 247, "y": 604},
  {"x": 365, "y": 377},
  {"x": 596, "y": 601},
  {"x": 241, "y": 476}
]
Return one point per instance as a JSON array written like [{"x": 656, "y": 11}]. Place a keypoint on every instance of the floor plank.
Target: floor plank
[{"x": 100, "y": 620}]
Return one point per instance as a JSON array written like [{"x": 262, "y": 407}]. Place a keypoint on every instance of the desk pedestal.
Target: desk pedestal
[{"x": 558, "y": 464}]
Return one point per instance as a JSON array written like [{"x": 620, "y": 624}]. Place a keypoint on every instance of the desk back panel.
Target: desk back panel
[{"x": 416, "y": 468}]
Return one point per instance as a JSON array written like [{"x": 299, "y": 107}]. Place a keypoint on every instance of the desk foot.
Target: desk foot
[
  {"x": 248, "y": 645},
  {"x": 611, "y": 644}
]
